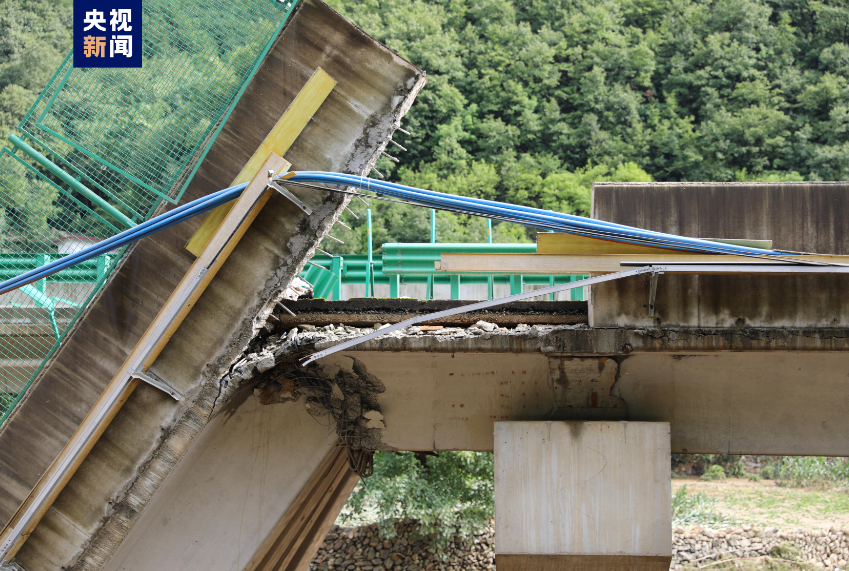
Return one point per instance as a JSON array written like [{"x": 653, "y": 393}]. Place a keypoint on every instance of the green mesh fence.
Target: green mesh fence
[{"x": 132, "y": 138}]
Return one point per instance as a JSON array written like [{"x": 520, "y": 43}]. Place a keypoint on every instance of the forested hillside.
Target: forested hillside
[
  {"x": 35, "y": 36},
  {"x": 532, "y": 101}
]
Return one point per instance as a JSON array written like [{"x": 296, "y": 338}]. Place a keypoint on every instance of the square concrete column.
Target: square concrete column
[{"x": 582, "y": 496}]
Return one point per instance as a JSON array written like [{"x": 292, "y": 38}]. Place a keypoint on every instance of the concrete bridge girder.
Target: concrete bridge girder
[{"x": 725, "y": 403}]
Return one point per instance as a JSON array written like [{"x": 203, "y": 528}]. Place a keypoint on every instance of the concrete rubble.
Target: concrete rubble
[{"x": 362, "y": 548}]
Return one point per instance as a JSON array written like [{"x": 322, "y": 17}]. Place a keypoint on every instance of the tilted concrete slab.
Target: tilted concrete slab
[
  {"x": 151, "y": 433},
  {"x": 226, "y": 495}
]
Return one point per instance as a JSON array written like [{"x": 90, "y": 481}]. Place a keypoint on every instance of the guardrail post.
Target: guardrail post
[
  {"x": 489, "y": 241},
  {"x": 576, "y": 294},
  {"x": 369, "y": 269},
  {"x": 430, "y": 282},
  {"x": 395, "y": 286},
  {"x": 516, "y": 283},
  {"x": 455, "y": 287},
  {"x": 336, "y": 268}
]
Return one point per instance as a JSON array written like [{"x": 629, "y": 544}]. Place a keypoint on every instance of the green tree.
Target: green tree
[
  {"x": 34, "y": 39},
  {"x": 450, "y": 493}
]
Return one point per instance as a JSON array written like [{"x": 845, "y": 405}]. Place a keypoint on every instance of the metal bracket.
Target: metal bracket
[
  {"x": 11, "y": 566},
  {"x": 653, "y": 291},
  {"x": 294, "y": 199},
  {"x": 158, "y": 383}
]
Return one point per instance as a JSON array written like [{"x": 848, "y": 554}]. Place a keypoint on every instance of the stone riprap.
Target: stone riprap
[
  {"x": 363, "y": 549},
  {"x": 820, "y": 548}
]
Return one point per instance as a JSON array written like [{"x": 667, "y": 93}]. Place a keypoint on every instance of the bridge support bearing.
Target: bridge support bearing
[{"x": 582, "y": 496}]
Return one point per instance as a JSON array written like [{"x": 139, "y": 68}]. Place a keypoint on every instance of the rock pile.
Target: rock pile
[
  {"x": 363, "y": 549},
  {"x": 827, "y": 549}
]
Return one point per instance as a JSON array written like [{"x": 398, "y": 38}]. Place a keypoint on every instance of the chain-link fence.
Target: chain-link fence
[{"x": 101, "y": 148}]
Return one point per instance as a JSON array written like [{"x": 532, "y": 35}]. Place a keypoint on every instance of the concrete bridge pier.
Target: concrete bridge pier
[{"x": 582, "y": 496}]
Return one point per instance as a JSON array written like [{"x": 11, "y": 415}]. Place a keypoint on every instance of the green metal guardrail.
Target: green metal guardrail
[{"x": 414, "y": 264}]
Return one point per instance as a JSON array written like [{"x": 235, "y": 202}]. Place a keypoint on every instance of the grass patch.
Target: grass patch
[
  {"x": 6, "y": 402},
  {"x": 691, "y": 509}
]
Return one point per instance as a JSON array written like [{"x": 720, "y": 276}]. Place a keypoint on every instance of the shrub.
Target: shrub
[
  {"x": 690, "y": 509},
  {"x": 808, "y": 471},
  {"x": 715, "y": 472},
  {"x": 449, "y": 494}
]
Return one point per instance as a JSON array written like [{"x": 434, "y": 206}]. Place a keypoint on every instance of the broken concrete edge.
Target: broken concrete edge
[
  {"x": 214, "y": 390},
  {"x": 276, "y": 354},
  {"x": 578, "y": 339},
  {"x": 408, "y": 305}
]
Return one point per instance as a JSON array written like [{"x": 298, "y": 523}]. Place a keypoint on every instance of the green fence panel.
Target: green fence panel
[
  {"x": 354, "y": 270},
  {"x": 139, "y": 134},
  {"x": 99, "y": 151}
]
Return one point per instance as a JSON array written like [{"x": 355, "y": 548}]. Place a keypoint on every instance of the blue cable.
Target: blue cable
[
  {"x": 531, "y": 216},
  {"x": 142, "y": 230},
  {"x": 525, "y": 215}
]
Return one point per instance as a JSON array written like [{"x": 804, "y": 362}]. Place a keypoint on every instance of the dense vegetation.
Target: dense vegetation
[
  {"x": 447, "y": 493},
  {"x": 530, "y": 101},
  {"x": 35, "y": 37}
]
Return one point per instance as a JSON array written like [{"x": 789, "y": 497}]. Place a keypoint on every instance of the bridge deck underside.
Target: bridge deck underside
[{"x": 742, "y": 391}]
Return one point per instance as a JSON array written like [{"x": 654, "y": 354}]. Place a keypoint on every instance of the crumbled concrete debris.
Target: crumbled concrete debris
[
  {"x": 264, "y": 362},
  {"x": 298, "y": 288},
  {"x": 486, "y": 326},
  {"x": 375, "y": 419},
  {"x": 349, "y": 398},
  {"x": 307, "y": 327}
]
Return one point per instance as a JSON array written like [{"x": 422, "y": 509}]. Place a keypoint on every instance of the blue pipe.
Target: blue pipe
[
  {"x": 534, "y": 217},
  {"x": 541, "y": 218},
  {"x": 147, "y": 228},
  {"x": 530, "y": 216}
]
